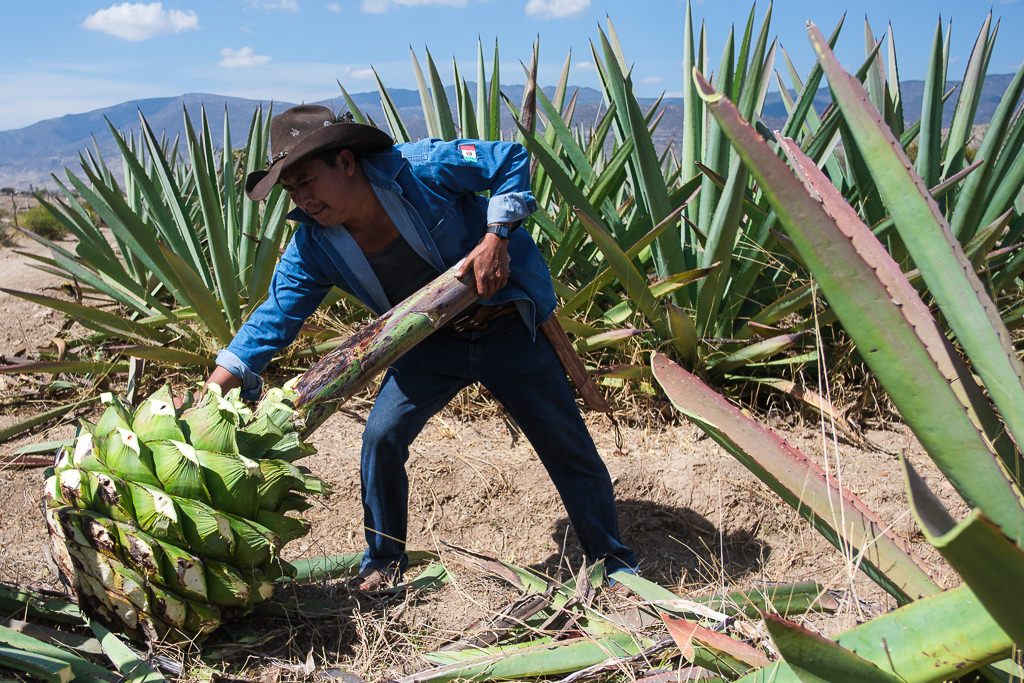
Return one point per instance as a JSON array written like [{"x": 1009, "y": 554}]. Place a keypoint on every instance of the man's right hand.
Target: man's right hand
[{"x": 225, "y": 379}]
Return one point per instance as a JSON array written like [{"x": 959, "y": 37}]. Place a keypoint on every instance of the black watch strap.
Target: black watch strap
[{"x": 500, "y": 229}]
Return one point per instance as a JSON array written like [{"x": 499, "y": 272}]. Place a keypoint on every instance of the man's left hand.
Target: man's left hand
[{"x": 489, "y": 264}]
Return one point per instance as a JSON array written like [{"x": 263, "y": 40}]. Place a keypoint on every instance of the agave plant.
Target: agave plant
[
  {"x": 167, "y": 521},
  {"x": 190, "y": 258},
  {"x": 939, "y": 395}
]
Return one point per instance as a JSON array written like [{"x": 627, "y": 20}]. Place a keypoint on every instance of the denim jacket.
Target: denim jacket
[{"x": 429, "y": 190}]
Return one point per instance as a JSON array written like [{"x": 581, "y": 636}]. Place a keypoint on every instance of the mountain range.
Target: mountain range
[{"x": 29, "y": 156}]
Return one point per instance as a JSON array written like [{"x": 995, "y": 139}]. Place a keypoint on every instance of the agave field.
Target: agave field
[{"x": 861, "y": 263}]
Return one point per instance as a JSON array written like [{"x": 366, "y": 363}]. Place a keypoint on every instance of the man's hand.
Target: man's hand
[{"x": 489, "y": 264}]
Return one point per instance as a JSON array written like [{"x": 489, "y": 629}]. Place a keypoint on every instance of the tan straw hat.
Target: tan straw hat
[{"x": 300, "y": 131}]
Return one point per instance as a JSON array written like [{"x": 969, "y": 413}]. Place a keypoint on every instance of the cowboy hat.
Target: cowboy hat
[{"x": 300, "y": 131}]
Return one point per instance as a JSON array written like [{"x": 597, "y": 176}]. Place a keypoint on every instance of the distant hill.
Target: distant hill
[{"x": 28, "y": 156}]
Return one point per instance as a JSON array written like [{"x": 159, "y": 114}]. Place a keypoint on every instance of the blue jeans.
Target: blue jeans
[{"x": 529, "y": 380}]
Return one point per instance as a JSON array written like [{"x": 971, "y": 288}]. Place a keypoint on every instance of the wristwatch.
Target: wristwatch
[{"x": 500, "y": 229}]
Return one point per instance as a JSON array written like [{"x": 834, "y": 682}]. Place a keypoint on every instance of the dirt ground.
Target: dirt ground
[{"x": 700, "y": 522}]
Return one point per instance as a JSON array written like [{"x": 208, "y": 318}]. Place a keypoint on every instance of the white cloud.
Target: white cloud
[
  {"x": 584, "y": 66},
  {"x": 286, "y": 5},
  {"x": 557, "y": 9},
  {"x": 382, "y": 6},
  {"x": 651, "y": 79},
  {"x": 138, "y": 21},
  {"x": 334, "y": 7},
  {"x": 240, "y": 59},
  {"x": 365, "y": 74}
]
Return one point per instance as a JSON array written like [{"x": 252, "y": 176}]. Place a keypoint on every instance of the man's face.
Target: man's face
[{"x": 324, "y": 191}]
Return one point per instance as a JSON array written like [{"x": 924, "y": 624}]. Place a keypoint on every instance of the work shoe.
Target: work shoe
[{"x": 370, "y": 579}]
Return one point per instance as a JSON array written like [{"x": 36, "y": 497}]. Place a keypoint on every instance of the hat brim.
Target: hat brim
[{"x": 359, "y": 138}]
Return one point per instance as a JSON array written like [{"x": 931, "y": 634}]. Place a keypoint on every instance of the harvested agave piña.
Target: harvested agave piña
[{"x": 166, "y": 522}]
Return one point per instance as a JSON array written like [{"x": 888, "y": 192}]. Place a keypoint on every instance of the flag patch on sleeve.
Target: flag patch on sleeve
[{"x": 468, "y": 152}]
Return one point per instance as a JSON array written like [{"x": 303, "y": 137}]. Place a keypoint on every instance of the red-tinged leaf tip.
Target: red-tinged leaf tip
[{"x": 705, "y": 89}]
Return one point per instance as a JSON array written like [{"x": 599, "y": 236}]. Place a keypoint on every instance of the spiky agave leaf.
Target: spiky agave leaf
[
  {"x": 156, "y": 418},
  {"x": 126, "y": 456},
  {"x": 232, "y": 480},
  {"x": 177, "y": 468}
]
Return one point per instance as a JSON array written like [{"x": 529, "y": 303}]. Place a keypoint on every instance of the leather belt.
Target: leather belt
[{"x": 478, "y": 316}]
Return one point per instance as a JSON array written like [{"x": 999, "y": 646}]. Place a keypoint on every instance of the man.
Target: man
[{"x": 380, "y": 221}]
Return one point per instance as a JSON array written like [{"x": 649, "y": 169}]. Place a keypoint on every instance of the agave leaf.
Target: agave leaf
[
  {"x": 182, "y": 571},
  {"x": 712, "y": 650},
  {"x": 987, "y": 560},
  {"x": 141, "y": 551},
  {"x": 156, "y": 417},
  {"x": 177, "y": 467},
  {"x": 801, "y": 483},
  {"x": 156, "y": 513},
  {"x": 117, "y": 414},
  {"x": 124, "y": 454},
  {"x": 284, "y": 527},
  {"x": 166, "y": 606},
  {"x": 881, "y": 310},
  {"x": 951, "y": 280},
  {"x": 135, "y": 669},
  {"x": 207, "y": 531},
  {"x": 814, "y": 658},
  {"x": 80, "y": 666},
  {"x": 232, "y": 480},
  {"x": 225, "y": 586},
  {"x": 254, "y": 544}
]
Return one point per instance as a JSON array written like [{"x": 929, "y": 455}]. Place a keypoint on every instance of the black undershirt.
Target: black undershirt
[{"x": 400, "y": 269}]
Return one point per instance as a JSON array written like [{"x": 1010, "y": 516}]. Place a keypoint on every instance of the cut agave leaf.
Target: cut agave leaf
[
  {"x": 183, "y": 571},
  {"x": 142, "y": 551},
  {"x": 232, "y": 480},
  {"x": 289, "y": 447},
  {"x": 111, "y": 496},
  {"x": 202, "y": 617},
  {"x": 156, "y": 418},
  {"x": 156, "y": 513},
  {"x": 254, "y": 544},
  {"x": 207, "y": 531},
  {"x": 117, "y": 414},
  {"x": 84, "y": 456},
  {"x": 123, "y": 453},
  {"x": 279, "y": 477},
  {"x": 213, "y": 423},
  {"x": 293, "y": 502},
  {"x": 225, "y": 586},
  {"x": 284, "y": 527},
  {"x": 178, "y": 469},
  {"x": 165, "y": 605}
]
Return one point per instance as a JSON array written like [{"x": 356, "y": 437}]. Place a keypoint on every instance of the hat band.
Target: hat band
[{"x": 276, "y": 159}]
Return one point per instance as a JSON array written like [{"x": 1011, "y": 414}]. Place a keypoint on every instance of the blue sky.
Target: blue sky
[{"x": 71, "y": 56}]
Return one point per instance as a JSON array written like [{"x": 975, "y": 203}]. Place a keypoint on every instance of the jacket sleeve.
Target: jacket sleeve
[
  {"x": 499, "y": 168},
  {"x": 296, "y": 290}
]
